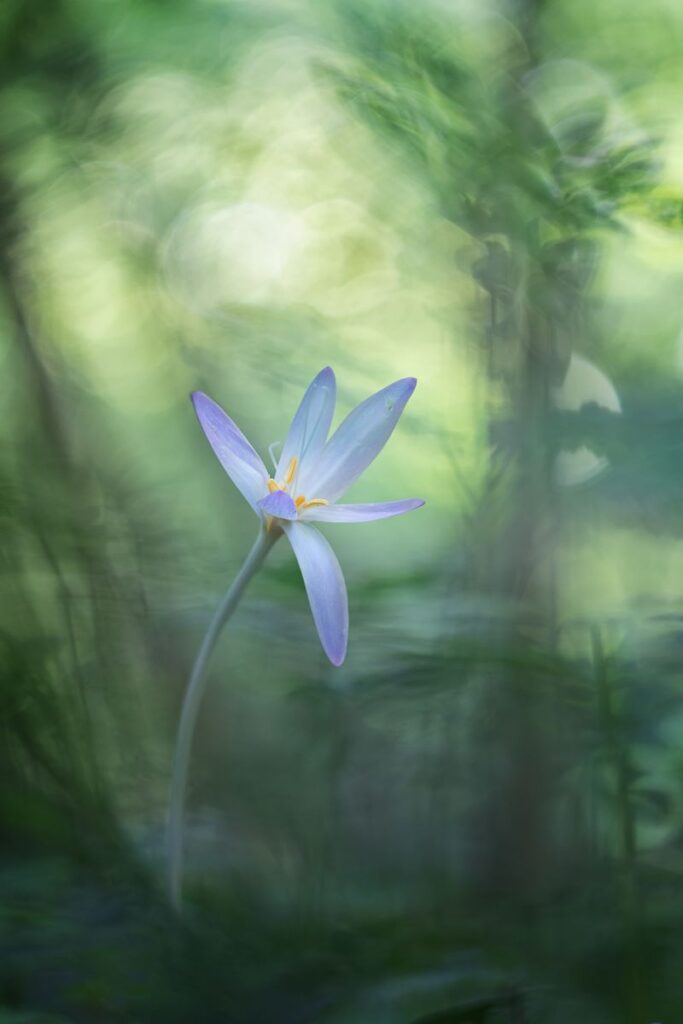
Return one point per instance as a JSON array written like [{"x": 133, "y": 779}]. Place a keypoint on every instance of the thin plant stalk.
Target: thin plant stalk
[
  {"x": 190, "y": 710},
  {"x": 617, "y": 745}
]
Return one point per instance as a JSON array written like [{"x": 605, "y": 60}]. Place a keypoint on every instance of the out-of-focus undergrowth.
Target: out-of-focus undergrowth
[{"x": 486, "y": 799}]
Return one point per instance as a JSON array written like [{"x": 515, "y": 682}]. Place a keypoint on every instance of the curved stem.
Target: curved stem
[{"x": 191, "y": 704}]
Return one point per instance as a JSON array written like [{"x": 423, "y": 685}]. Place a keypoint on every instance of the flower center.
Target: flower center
[{"x": 300, "y": 501}]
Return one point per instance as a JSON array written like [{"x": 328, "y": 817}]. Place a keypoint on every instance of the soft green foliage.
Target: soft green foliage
[{"x": 487, "y": 797}]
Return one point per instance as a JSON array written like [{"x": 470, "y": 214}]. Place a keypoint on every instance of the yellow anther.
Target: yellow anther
[
  {"x": 291, "y": 470},
  {"x": 273, "y": 486},
  {"x": 300, "y": 501},
  {"x": 313, "y": 503}
]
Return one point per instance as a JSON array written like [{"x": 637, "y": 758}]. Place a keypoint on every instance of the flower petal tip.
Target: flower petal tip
[
  {"x": 325, "y": 377},
  {"x": 336, "y": 650},
  {"x": 402, "y": 389},
  {"x": 200, "y": 401}
]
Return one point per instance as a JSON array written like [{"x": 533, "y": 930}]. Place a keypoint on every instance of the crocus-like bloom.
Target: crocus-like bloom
[{"x": 312, "y": 473}]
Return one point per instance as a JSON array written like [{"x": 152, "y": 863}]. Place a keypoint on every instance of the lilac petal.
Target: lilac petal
[
  {"x": 359, "y": 439},
  {"x": 325, "y": 587},
  {"x": 278, "y": 504},
  {"x": 360, "y": 513},
  {"x": 239, "y": 460},
  {"x": 309, "y": 428}
]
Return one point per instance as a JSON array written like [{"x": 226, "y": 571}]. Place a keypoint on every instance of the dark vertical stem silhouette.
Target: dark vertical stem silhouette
[{"x": 612, "y": 721}]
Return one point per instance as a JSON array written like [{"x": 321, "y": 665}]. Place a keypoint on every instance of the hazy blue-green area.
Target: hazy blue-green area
[{"x": 480, "y": 814}]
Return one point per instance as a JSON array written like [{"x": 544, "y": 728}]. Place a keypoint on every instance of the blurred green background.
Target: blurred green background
[{"x": 486, "y": 801}]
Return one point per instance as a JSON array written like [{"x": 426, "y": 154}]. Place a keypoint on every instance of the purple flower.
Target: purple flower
[{"x": 312, "y": 473}]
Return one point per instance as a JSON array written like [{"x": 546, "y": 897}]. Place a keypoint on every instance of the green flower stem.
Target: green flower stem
[{"x": 191, "y": 704}]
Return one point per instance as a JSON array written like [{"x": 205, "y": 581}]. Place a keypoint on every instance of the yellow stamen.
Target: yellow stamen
[
  {"x": 273, "y": 486},
  {"x": 300, "y": 501},
  {"x": 291, "y": 470},
  {"x": 313, "y": 503}
]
